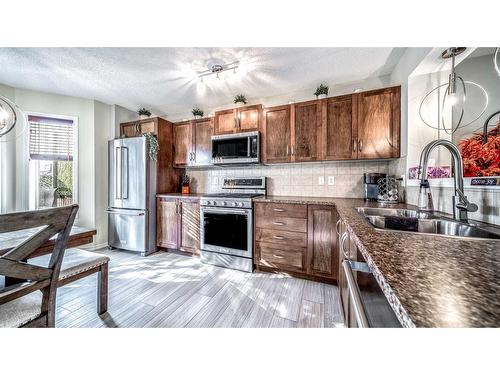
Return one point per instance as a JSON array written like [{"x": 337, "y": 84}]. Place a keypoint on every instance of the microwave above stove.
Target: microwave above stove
[{"x": 241, "y": 148}]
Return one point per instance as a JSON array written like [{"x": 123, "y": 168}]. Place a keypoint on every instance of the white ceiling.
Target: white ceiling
[{"x": 165, "y": 79}]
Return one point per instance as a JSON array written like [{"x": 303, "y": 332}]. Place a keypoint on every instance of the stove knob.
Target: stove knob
[
  {"x": 214, "y": 203},
  {"x": 207, "y": 203},
  {"x": 242, "y": 204},
  {"x": 235, "y": 204},
  {"x": 224, "y": 203}
]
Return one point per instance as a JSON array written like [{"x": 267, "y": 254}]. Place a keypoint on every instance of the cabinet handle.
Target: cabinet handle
[
  {"x": 287, "y": 150},
  {"x": 278, "y": 223},
  {"x": 342, "y": 242},
  {"x": 337, "y": 227},
  {"x": 279, "y": 237},
  {"x": 235, "y": 123},
  {"x": 293, "y": 151},
  {"x": 278, "y": 209},
  {"x": 354, "y": 144},
  {"x": 278, "y": 256},
  {"x": 360, "y": 147},
  {"x": 355, "y": 296}
]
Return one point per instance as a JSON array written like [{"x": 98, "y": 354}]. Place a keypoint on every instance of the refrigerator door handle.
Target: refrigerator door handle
[
  {"x": 124, "y": 172},
  {"x": 124, "y": 213},
  {"x": 118, "y": 173}
]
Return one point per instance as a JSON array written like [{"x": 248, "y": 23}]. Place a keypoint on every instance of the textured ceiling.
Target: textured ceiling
[{"x": 165, "y": 79}]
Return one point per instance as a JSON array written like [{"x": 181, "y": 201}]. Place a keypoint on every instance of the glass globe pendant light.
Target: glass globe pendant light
[
  {"x": 496, "y": 57},
  {"x": 455, "y": 98},
  {"x": 10, "y": 126}
]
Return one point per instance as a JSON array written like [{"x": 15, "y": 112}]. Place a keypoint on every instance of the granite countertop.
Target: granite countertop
[
  {"x": 180, "y": 195},
  {"x": 430, "y": 281}
]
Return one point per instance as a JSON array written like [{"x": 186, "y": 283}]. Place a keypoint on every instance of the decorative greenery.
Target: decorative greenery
[
  {"x": 321, "y": 90},
  {"x": 185, "y": 180},
  {"x": 144, "y": 112},
  {"x": 197, "y": 112},
  {"x": 153, "y": 146},
  {"x": 240, "y": 98}
]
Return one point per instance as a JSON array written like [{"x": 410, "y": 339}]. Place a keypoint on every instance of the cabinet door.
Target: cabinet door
[
  {"x": 147, "y": 127},
  {"x": 183, "y": 138},
  {"x": 249, "y": 118},
  {"x": 276, "y": 134},
  {"x": 167, "y": 231},
  {"x": 225, "y": 122},
  {"x": 379, "y": 121},
  {"x": 339, "y": 128},
  {"x": 306, "y": 130},
  {"x": 190, "y": 226},
  {"x": 129, "y": 130},
  {"x": 322, "y": 248},
  {"x": 202, "y": 142}
]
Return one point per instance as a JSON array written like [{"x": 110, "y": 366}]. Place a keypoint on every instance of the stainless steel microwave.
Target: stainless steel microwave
[{"x": 240, "y": 148}]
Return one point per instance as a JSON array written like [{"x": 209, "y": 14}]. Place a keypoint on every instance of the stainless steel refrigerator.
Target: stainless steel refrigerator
[{"x": 131, "y": 196}]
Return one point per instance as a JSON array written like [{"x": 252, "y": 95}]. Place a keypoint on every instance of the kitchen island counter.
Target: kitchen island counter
[{"x": 429, "y": 281}]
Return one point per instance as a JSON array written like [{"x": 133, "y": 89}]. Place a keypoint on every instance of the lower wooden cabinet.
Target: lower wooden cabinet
[
  {"x": 178, "y": 224},
  {"x": 297, "y": 238},
  {"x": 167, "y": 223}
]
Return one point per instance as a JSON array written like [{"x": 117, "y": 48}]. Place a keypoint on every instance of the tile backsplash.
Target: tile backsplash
[{"x": 295, "y": 179}]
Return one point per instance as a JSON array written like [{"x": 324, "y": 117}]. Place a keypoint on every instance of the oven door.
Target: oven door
[{"x": 227, "y": 231}]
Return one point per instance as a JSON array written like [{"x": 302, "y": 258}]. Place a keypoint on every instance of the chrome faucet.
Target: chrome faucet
[{"x": 461, "y": 206}]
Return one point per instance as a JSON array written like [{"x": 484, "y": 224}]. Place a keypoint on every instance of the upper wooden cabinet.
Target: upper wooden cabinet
[
  {"x": 192, "y": 142},
  {"x": 306, "y": 130},
  {"x": 237, "y": 120},
  {"x": 276, "y": 139},
  {"x": 140, "y": 127},
  {"x": 339, "y": 130},
  {"x": 379, "y": 123}
]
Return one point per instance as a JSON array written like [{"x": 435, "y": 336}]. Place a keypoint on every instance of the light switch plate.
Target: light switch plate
[
  {"x": 331, "y": 180},
  {"x": 321, "y": 180}
]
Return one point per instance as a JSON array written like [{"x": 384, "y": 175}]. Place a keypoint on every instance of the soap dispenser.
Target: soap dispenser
[{"x": 425, "y": 202}]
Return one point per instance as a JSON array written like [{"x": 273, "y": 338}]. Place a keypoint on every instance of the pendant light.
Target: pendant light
[
  {"x": 10, "y": 126},
  {"x": 454, "y": 98},
  {"x": 496, "y": 57}
]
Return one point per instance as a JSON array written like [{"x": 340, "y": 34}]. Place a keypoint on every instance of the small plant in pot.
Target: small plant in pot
[
  {"x": 144, "y": 113},
  {"x": 197, "y": 113},
  {"x": 321, "y": 92},
  {"x": 240, "y": 100}
]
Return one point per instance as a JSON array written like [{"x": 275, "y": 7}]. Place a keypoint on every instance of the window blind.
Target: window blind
[{"x": 50, "y": 138}]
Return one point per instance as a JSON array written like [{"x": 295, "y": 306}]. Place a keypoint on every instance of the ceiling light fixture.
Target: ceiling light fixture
[
  {"x": 454, "y": 97},
  {"x": 217, "y": 70},
  {"x": 8, "y": 117},
  {"x": 496, "y": 56}
]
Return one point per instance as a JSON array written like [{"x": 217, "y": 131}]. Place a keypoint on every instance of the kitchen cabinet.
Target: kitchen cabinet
[
  {"x": 137, "y": 128},
  {"x": 297, "y": 238},
  {"x": 167, "y": 223},
  {"x": 339, "y": 128},
  {"x": 192, "y": 142},
  {"x": 178, "y": 224},
  {"x": 379, "y": 123},
  {"x": 238, "y": 120},
  {"x": 322, "y": 250},
  {"x": 306, "y": 131},
  {"x": 189, "y": 225},
  {"x": 276, "y": 134}
]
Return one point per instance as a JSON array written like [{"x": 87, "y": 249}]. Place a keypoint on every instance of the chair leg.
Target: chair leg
[{"x": 102, "y": 290}]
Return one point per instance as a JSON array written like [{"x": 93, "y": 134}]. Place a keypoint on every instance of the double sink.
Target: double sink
[{"x": 418, "y": 222}]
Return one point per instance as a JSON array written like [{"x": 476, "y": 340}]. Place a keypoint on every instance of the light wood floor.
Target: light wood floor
[{"x": 171, "y": 290}]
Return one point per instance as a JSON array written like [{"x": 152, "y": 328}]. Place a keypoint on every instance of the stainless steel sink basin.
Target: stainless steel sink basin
[
  {"x": 399, "y": 212},
  {"x": 427, "y": 223}
]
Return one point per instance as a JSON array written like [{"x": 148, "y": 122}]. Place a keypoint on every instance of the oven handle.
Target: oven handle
[
  {"x": 359, "y": 311},
  {"x": 225, "y": 211}
]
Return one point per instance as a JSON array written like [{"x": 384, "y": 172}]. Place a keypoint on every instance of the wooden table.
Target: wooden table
[{"x": 78, "y": 236}]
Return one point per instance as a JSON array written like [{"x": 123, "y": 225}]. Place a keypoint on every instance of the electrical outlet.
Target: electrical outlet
[
  {"x": 331, "y": 180},
  {"x": 321, "y": 180}
]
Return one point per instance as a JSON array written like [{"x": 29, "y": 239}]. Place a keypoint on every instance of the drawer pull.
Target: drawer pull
[
  {"x": 278, "y": 223},
  {"x": 279, "y": 210},
  {"x": 279, "y": 237},
  {"x": 278, "y": 256}
]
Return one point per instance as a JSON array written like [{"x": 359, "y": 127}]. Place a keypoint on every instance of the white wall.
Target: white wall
[
  {"x": 120, "y": 114},
  {"x": 95, "y": 127}
]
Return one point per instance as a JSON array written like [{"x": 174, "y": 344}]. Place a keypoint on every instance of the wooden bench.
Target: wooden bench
[{"x": 77, "y": 264}]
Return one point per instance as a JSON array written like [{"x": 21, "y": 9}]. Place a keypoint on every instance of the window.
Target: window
[{"x": 52, "y": 161}]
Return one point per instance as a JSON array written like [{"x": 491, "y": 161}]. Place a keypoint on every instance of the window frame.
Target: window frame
[{"x": 32, "y": 170}]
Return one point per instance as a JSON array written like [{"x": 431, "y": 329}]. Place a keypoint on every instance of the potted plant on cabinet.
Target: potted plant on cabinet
[
  {"x": 321, "y": 91},
  {"x": 144, "y": 113},
  {"x": 197, "y": 113},
  {"x": 240, "y": 100}
]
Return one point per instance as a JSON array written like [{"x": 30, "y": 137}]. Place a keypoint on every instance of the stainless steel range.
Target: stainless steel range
[{"x": 227, "y": 223}]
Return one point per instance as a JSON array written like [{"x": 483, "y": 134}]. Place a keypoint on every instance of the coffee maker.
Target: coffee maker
[{"x": 371, "y": 185}]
